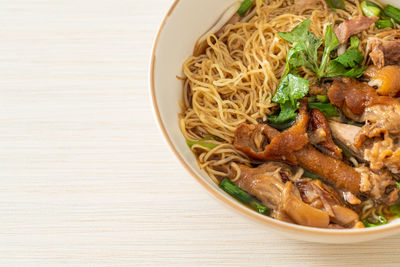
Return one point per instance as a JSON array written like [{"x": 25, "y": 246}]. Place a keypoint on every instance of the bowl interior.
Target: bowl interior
[{"x": 185, "y": 22}]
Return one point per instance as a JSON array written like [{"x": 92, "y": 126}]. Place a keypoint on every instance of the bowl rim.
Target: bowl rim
[{"x": 228, "y": 201}]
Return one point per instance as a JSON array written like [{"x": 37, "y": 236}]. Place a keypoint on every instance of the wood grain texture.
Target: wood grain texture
[{"x": 86, "y": 178}]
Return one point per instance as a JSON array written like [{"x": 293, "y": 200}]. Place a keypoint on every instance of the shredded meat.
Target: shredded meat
[
  {"x": 377, "y": 140},
  {"x": 381, "y": 150},
  {"x": 354, "y": 26},
  {"x": 384, "y": 52},
  {"x": 321, "y": 135},
  {"x": 377, "y": 183}
]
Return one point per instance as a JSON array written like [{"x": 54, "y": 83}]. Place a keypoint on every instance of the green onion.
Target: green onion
[
  {"x": 381, "y": 220},
  {"x": 395, "y": 210},
  {"x": 384, "y": 23},
  {"x": 392, "y": 12},
  {"x": 372, "y": 4},
  {"x": 243, "y": 196},
  {"x": 370, "y": 9},
  {"x": 328, "y": 109},
  {"x": 335, "y": 3},
  {"x": 318, "y": 98},
  {"x": 323, "y": 98},
  {"x": 244, "y": 7},
  {"x": 346, "y": 152},
  {"x": 354, "y": 42},
  {"x": 354, "y": 123},
  {"x": 310, "y": 175},
  {"x": 282, "y": 126},
  {"x": 202, "y": 143}
]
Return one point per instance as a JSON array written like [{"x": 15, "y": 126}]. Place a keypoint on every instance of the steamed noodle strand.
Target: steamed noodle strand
[{"x": 236, "y": 78}]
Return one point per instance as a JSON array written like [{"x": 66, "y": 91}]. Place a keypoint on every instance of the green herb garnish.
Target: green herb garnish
[
  {"x": 243, "y": 196},
  {"x": 328, "y": 109},
  {"x": 244, "y": 7},
  {"x": 291, "y": 89},
  {"x": 392, "y": 12},
  {"x": 335, "y": 3},
  {"x": 381, "y": 220},
  {"x": 384, "y": 23},
  {"x": 202, "y": 142},
  {"x": 304, "y": 52}
]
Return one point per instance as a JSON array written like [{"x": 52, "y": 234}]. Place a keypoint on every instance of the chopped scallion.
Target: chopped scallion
[
  {"x": 243, "y": 196},
  {"x": 392, "y": 12},
  {"x": 202, "y": 143},
  {"x": 244, "y": 7},
  {"x": 328, "y": 109},
  {"x": 335, "y": 3},
  {"x": 370, "y": 9},
  {"x": 381, "y": 220},
  {"x": 384, "y": 23}
]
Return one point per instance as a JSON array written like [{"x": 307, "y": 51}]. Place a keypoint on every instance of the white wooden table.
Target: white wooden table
[{"x": 85, "y": 177}]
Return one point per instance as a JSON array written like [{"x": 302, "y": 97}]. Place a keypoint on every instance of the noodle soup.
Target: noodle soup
[{"x": 291, "y": 108}]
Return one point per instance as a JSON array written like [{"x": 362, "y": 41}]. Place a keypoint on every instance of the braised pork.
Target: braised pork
[
  {"x": 305, "y": 202},
  {"x": 377, "y": 141},
  {"x": 320, "y": 135},
  {"x": 384, "y": 52},
  {"x": 382, "y": 150},
  {"x": 354, "y": 26},
  {"x": 360, "y": 102},
  {"x": 285, "y": 148},
  {"x": 386, "y": 79}
]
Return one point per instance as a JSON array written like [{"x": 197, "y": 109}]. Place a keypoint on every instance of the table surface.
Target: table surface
[{"x": 86, "y": 177}]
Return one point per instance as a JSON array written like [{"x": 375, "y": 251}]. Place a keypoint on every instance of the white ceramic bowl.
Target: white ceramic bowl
[{"x": 185, "y": 22}]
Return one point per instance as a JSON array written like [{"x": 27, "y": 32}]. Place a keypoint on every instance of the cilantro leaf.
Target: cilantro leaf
[
  {"x": 288, "y": 113},
  {"x": 290, "y": 90},
  {"x": 331, "y": 43},
  {"x": 350, "y": 59},
  {"x": 334, "y": 69},
  {"x": 347, "y": 64},
  {"x": 299, "y": 32},
  {"x": 306, "y": 44}
]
